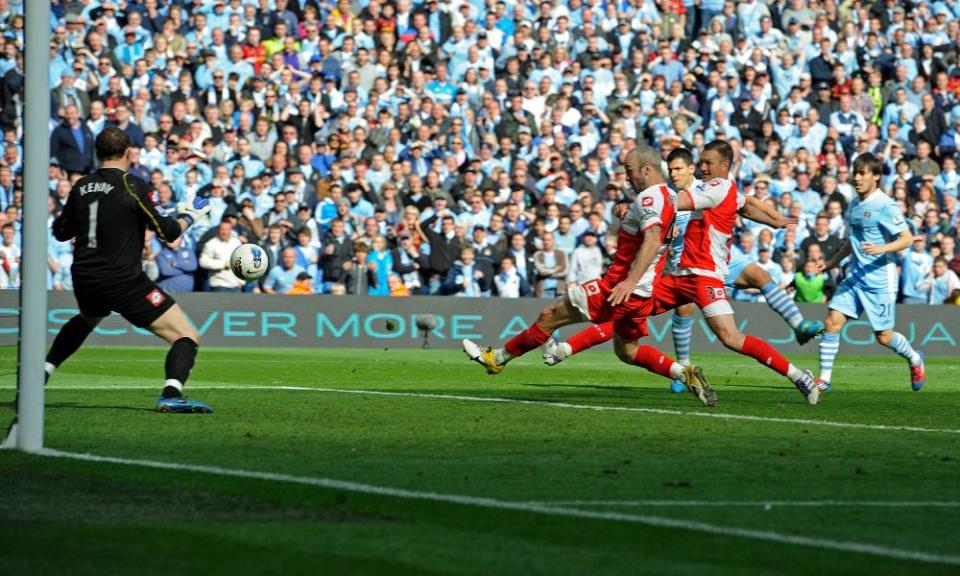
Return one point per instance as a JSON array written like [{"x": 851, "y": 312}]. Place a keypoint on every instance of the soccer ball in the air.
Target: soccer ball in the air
[{"x": 248, "y": 262}]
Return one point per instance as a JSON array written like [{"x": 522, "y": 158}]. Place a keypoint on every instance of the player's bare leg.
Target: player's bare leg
[
  {"x": 69, "y": 340},
  {"x": 560, "y": 313},
  {"x": 174, "y": 327},
  {"x": 754, "y": 276},
  {"x": 760, "y": 350},
  {"x": 830, "y": 345},
  {"x": 648, "y": 357}
]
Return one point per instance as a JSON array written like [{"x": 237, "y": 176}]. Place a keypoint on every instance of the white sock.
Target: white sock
[
  {"x": 565, "y": 350},
  {"x": 826, "y": 375},
  {"x": 49, "y": 368},
  {"x": 175, "y": 383},
  {"x": 501, "y": 356},
  {"x": 794, "y": 373},
  {"x": 676, "y": 371}
]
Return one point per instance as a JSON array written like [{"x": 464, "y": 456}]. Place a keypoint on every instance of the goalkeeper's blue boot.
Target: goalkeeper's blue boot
[
  {"x": 808, "y": 330},
  {"x": 677, "y": 386},
  {"x": 182, "y": 404}
]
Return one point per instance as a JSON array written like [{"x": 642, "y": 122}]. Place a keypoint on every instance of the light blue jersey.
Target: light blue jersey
[
  {"x": 679, "y": 231},
  {"x": 738, "y": 263},
  {"x": 676, "y": 246},
  {"x": 875, "y": 220},
  {"x": 871, "y": 284}
]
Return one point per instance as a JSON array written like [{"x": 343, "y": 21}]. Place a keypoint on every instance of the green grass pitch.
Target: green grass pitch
[{"x": 598, "y": 481}]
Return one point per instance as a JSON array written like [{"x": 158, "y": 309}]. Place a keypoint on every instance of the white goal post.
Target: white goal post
[{"x": 27, "y": 431}]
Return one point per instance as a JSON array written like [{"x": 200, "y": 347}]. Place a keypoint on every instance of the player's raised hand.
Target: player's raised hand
[
  {"x": 192, "y": 208},
  {"x": 620, "y": 210},
  {"x": 871, "y": 249},
  {"x": 620, "y": 293}
]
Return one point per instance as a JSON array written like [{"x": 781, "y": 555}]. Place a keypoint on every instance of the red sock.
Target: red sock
[
  {"x": 526, "y": 341},
  {"x": 653, "y": 360},
  {"x": 590, "y": 336},
  {"x": 764, "y": 353}
]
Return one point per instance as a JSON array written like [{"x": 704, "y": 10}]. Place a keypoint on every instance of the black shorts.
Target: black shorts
[{"x": 140, "y": 301}]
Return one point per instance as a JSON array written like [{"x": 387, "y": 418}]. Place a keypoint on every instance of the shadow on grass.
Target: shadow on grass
[{"x": 73, "y": 405}]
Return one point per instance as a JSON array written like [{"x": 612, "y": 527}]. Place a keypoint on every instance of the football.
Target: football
[{"x": 248, "y": 262}]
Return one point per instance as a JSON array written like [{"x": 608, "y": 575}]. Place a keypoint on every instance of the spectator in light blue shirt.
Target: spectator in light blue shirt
[
  {"x": 282, "y": 278},
  {"x": 668, "y": 67},
  {"x": 441, "y": 89},
  {"x": 810, "y": 198},
  {"x": 917, "y": 266}
]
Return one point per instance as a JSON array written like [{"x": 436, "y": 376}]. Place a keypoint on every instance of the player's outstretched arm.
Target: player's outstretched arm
[
  {"x": 763, "y": 213},
  {"x": 644, "y": 259},
  {"x": 167, "y": 229}
]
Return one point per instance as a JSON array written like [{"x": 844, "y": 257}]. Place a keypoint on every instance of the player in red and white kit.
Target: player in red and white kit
[
  {"x": 700, "y": 274},
  {"x": 624, "y": 295},
  {"x": 703, "y": 266}
]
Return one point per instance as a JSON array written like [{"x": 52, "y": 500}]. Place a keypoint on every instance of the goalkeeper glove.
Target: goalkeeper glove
[{"x": 192, "y": 208}]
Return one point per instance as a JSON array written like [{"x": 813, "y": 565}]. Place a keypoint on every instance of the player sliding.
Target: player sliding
[
  {"x": 878, "y": 232},
  {"x": 623, "y": 296},
  {"x": 107, "y": 212},
  {"x": 699, "y": 276},
  {"x": 741, "y": 274}
]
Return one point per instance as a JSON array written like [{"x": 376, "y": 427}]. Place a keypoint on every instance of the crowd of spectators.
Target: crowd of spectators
[{"x": 472, "y": 147}]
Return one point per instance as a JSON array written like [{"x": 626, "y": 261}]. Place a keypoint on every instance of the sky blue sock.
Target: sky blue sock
[
  {"x": 682, "y": 329},
  {"x": 900, "y": 345},
  {"x": 782, "y": 304},
  {"x": 829, "y": 346}
]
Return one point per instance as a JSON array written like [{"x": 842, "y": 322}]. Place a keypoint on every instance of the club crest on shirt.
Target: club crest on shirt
[{"x": 155, "y": 297}]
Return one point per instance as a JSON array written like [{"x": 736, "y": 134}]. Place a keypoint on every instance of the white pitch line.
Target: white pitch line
[
  {"x": 545, "y": 403},
  {"x": 752, "y": 504},
  {"x": 585, "y": 360},
  {"x": 493, "y": 503}
]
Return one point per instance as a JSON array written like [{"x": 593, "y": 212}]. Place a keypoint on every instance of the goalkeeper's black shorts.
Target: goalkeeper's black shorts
[{"x": 139, "y": 300}]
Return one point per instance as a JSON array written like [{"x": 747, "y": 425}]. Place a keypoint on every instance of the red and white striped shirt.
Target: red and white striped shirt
[
  {"x": 709, "y": 234},
  {"x": 657, "y": 205}
]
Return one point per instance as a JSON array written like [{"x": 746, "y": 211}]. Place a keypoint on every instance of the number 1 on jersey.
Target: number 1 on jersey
[{"x": 92, "y": 232}]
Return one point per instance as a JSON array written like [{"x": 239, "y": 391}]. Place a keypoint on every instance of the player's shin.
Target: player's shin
[
  {"x": 657, "y": 362},
  {"x": 533, "y": 337},
  {"x": 682, "y": 329},
  {"x": 782, "y": 304},
  {"x": 179, "y": 362},
  {"x": 901, "y": 346},
  {"x": 593, "y": 335},
  {"x": 829, "y": 346},
  {"x": 68, "y": 341},
  {"x": 761, "y": 351}
]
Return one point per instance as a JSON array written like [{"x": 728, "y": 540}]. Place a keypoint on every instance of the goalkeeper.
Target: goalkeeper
[{"x": 107, "y": 213}]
